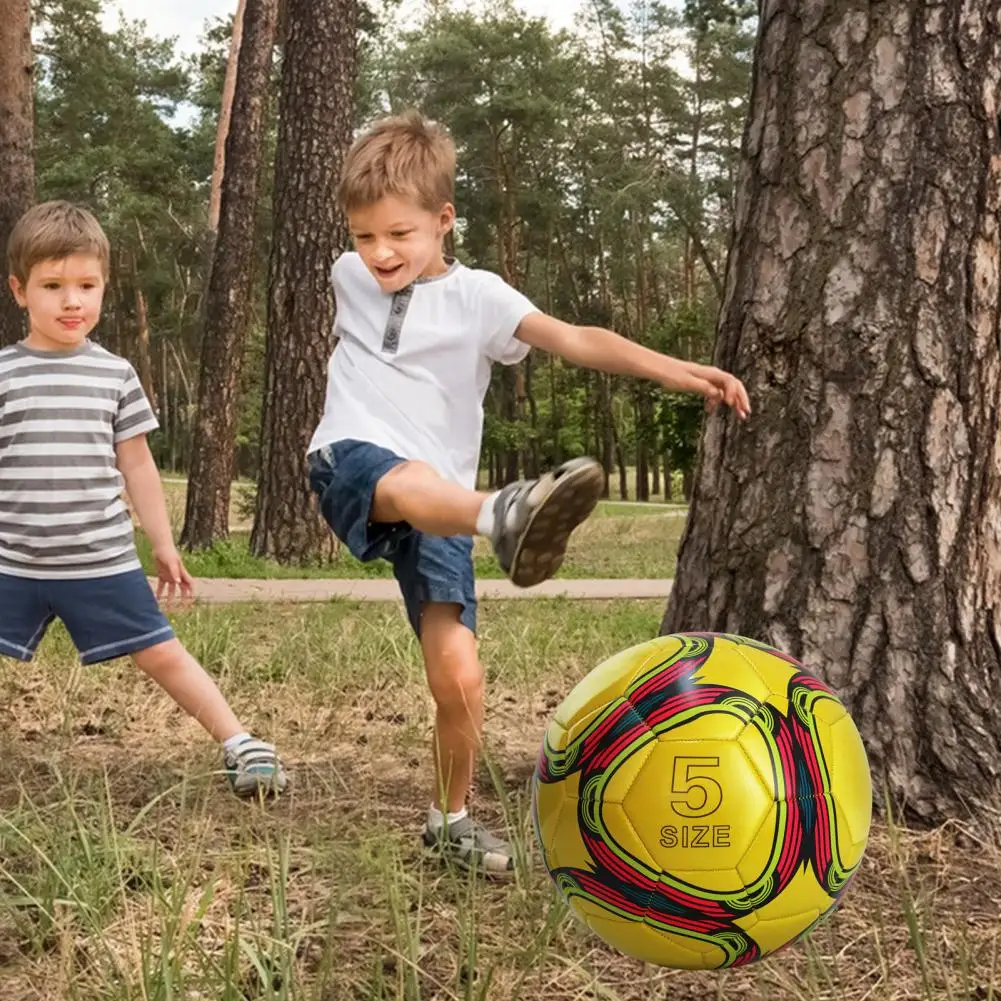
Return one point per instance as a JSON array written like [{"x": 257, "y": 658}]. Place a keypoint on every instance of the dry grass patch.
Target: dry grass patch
[{"x": 128, "y": 872}]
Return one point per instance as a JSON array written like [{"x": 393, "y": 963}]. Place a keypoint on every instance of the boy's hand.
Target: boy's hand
[
  {"x": 172, "y": 575},
  {"x": 725, "y": 388}
]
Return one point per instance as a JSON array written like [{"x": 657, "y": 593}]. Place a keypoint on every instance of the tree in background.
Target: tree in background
[
  {"x": 594, "y": 175},
  {"x": 17, "y": 168},
  {"x": 853, "y": 521},
  {"x": 228, "y": 299},
  {"x": 225, "y": 116},
  {"x": 319, "y": 75},
  {"x": 104, "y": 103},
  {"x": 596, "y": 172}
]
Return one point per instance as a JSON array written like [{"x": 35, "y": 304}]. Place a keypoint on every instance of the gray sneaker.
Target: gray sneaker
[
  {"x": 533, "y": 519},
  {"x": 471, "y": 847},
  {"x": 254, "y": 769}
]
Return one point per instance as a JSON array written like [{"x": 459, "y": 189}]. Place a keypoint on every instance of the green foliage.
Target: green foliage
[
  {"x": 128, "y": 128},
  {"x": 107, "y": 103},
  {"x": 595, "y": 173},
  {"x": 104, "y": 100},
  {"x": 702, "y": 14}
]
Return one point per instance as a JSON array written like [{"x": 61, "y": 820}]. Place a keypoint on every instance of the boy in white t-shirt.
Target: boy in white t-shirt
[{"x": 395, "y": 457}]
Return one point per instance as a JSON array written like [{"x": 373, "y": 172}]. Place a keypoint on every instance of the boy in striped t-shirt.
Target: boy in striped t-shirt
[{"x": 73, "y": 426}]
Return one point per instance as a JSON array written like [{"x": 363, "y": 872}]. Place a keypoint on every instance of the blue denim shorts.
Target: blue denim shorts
[
  {"x": 428, "y": 568},
  {"x": 106, "y": 617}
]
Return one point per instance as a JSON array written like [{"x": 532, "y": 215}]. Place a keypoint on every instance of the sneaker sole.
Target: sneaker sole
[
  {"x": 447, "y": 858},
  {"x": 542, "y": 546},
  {"x": 268, "y": 788}
]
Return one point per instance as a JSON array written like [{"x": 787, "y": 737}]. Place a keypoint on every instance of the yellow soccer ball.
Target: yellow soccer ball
[{"x": 701, "y": 800}]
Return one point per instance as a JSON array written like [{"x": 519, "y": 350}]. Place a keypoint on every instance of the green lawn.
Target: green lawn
[{"x": 128, "y": 873}]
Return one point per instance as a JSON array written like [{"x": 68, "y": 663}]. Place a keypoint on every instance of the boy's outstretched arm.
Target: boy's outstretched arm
[
  {"x": 142, "y": 481},
  {"x": 597, "y": 348}
]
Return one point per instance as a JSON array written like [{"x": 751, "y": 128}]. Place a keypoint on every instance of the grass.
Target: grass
[
  {"x": 127, "y": 873},
  {"x": 620, "y": 541}
]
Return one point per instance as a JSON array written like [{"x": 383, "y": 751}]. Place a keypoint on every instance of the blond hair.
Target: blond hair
[
  {"x": 52, "y": 231},
  {"x": 404, "y": 155}
]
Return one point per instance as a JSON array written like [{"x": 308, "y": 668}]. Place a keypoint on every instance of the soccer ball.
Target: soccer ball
[{"x": 701, "y": 800}]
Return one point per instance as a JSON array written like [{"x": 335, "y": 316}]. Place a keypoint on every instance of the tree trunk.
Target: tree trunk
[
  {"x": 668, "y": 482},
  {"x": 687, "y": 484},
  {"x": 143, "y": 350},
  {"x": 225, "y": 115},
  {"x": 691, "y": 254},
  {"x": 854, "y": 521},
  {"x": 556, "y": 419},
  {"x": 642, "y": 471},
  {"x": 114, "y": 309},
  {"x": 607, "y": 417},
  {"x": 533, "y": 457},
  {"x": 643, "y": 404},
  {"x": 211, "y": 234},
  {"x": 227, "y": 306},
  {"x": 620, "y": 458},
  {"x": 166, "y": 413},
  {"x": 318, "y": 80},
  {"x": 17, "y": 165},
  {"x": 521, "y": 454},
  {"x": 510, "y": 384}
]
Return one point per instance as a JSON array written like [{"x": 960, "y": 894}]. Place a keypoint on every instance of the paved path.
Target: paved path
[{"x": 218, "y": 590}]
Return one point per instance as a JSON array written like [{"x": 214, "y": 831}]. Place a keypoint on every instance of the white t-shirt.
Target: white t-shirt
[{"x": 411, "y": 368}]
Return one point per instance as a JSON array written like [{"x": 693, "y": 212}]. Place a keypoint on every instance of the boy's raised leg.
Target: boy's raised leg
[
  {"x": 533, "y": 519},
  {"x": 528, "y": 523},
  {"x": 414, "y": 492}
]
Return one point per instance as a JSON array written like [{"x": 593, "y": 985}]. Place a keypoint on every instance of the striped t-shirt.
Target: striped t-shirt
[{"x": 61, "y": 415}]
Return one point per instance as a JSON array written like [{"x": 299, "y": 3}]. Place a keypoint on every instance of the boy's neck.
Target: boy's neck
[
  {"x": 47, "y": 348},
  {"x": 439, "y": 266}
]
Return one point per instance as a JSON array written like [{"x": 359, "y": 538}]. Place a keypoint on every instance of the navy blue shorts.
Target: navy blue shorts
[
  {"x": 106, "y": 617},
  {"x": 428, "y": 568}
]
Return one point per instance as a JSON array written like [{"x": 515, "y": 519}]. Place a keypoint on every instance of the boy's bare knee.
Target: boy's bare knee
[
  {"x": 156, "y": 660},
  {"x": 455, "y": 673},
  {"x": 458, "y": 698},
  {"x": 463, "y": 679},
  {"x": 455, "y": 666}
]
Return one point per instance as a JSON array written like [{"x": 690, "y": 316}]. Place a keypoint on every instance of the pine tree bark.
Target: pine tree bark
[
  {"x": 533, "y": 455},
  {"x": 144, "y": 348},
  {"x": 509, "y": 405},
  {"x": 606, "y": 423},
  {"x": 854, "y": 521},
  {"x": 318, "y": 79},
  {"x": 225, "y": 117},
  {"x": 643, "y": 406},
  {"x": 227, "y": 306},
  {"x": 17, "y": 165}
]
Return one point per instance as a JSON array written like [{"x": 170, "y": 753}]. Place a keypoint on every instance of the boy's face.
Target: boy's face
[
  {"x": 399, "y": 241},
  {"x": 63, "y": 299}
]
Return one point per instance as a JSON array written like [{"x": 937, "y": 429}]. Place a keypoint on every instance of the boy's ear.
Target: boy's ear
[
  {"x": 447, "y": 219},
  {"x": 18, "y": 289}
]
